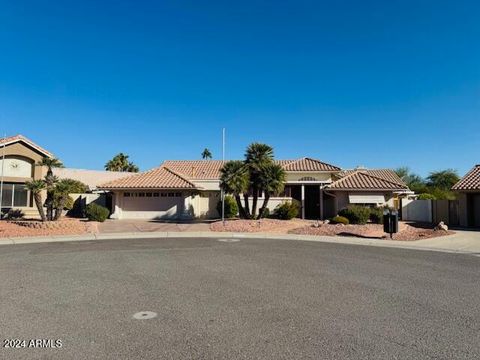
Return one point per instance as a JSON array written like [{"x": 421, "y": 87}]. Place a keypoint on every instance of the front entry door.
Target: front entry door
[{"x": 312, "y": 202}]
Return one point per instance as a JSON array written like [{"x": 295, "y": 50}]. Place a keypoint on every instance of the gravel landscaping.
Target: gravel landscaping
[
  {"x": 408, "y": 232},
  {"x": 37, "y": 228}
]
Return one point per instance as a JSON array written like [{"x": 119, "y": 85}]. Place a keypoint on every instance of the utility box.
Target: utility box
[{"x": 390, "y": 222}]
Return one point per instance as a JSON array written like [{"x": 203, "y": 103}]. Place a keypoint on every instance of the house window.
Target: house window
[
  {"x": 171, "y": 194},
  {"x": 14, "y": 195},
  {"x": 127, "y": 194},
  {"x": 141, "y": 194},
  {"x": 163, "y": 194}
]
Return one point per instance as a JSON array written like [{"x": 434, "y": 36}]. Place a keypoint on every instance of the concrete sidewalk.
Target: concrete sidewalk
[{"x": 465, "y": 242}]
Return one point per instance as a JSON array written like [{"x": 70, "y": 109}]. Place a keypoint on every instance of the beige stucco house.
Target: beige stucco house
[
  {"x": 20, "y": 165},
  {"x": 468, "y": 189},
  {"x": 190, "y": 189}
]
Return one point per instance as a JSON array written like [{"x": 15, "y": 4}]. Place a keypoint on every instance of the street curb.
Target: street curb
[{"x": 209, "y": 234}]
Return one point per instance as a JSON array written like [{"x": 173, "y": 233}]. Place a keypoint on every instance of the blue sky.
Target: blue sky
[{"x": 374, "y": 83}]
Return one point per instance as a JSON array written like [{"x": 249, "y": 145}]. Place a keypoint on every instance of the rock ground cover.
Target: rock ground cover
[
  {"x": 408, "y": 232},
  {"x": 66, "y": 226}
]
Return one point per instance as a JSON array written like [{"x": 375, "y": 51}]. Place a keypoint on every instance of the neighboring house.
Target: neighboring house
[
  {"x": 188, "y": 189},
  {"x": 21, "y": 158},
  {"x": 469, "y": 198}
]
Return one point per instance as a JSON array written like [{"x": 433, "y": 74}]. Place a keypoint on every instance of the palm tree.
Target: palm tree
[
  {"x": 234, "y": 180},
  {"x": 50, "y": 181},
  {"x": 36, "y": 187},
  {"x": 206, "y": 154},
  {"x": 257, "y": 156},
  {"x": 120, "y": 163},
  {"x": 272, "y": 182},
  {"x": 61, "y": 191},
  {"x": 443, "y": 179}
]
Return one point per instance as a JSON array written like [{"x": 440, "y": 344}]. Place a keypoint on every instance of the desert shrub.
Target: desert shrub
[
  {"x": 15, "y": 214},
  {"x": 339, "y": 220},
  {"x": 426, "y": 196},
  {"x": 356, "y": 214},
  {"x": 231, "y": 207},
  {"x": 96, "y": 212},
  {"x": 376, "y": 215},
  {"x": 266, "y": 213},
  {"x": 287, "y": 210}
]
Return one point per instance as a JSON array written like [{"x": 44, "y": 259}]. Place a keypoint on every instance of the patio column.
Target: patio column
[
  {"x": 321, "y": 202},
  {"x": 303, "y": 201}
]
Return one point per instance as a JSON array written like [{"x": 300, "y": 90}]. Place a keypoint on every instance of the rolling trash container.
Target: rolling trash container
[{"x": 390, "y": 222}]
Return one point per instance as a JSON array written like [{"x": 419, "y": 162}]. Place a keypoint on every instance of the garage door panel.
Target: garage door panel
[{"x": 168, "y": 204}]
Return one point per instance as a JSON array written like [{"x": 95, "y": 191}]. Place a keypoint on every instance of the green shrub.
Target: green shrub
[
  {"x": 266, "y": 213},
  {"x": 287, "y": 210},
  {"x": 376, "y": 215},
  {"x": 426, "y": 196},
  {"x": 356, "y": 214},
  {"x": 231, "y": 207},
  {"x": 339, "y": 220},
  {"x": 96, "y": 212}
]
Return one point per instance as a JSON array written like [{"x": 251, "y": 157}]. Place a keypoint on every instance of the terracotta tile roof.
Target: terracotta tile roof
[
  {"x": 91, "y": 178},
  {"x": 387, "y": 174},
  {"x": 471, "y": 181},
  {"x": 196, "y": 169},
  {"x": 158, "y": 178},
  {"x": 18, "y": 138},
  {"x": 362, "y": 180},
  {"x": 308, "y": 164},
  {"x": 182, "y": 172}
]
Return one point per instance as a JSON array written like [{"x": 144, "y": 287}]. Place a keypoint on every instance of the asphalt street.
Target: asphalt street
[{"x": 251, "y": 299}]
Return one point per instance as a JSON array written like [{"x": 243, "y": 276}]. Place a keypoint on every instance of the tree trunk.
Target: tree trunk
[
  {"x": 38, "y": 202},
  {"x": 49, "y": 205},
  {"x": 59, "y": 209},
  {"x": 264, "y": 205},
  {"x": 247, "y": 206},
  {"x": 241, "y": 209},
  {"x": 254, "y": 202}
]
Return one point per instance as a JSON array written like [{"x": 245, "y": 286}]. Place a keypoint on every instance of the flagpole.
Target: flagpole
[
  {"x": 1, "y": 174},
  {"x": 222, "y": 192}
]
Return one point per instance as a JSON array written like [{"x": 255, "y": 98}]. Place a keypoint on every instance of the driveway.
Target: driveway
[
  {"x": 131, "y": 226},
  {"x": 250, "y": 299}
]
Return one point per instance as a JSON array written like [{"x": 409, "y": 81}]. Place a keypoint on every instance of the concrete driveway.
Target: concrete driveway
[
  {"x": 250, "y": 299},
  {"x": 131, "y": 226}
]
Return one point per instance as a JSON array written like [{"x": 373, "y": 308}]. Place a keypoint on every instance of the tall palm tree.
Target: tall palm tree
[
  {"x": 272, "y": 182},
  {"x": 206, "y": 154},
  {"x": 50, "y": 181},
  {"x": 257, "y": 156},
  {"x": 36, "y": 187},
  {"x": 234, "y": 180}
]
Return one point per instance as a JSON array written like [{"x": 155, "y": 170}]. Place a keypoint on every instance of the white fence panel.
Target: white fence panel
[{"x": 417, "y": 210}]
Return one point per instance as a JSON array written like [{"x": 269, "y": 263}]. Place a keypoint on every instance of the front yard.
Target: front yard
[
  {"x": 64, "y": 226},
  {"x": 408, "y": 231}
]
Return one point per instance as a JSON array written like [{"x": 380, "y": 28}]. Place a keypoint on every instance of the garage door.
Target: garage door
[{"x": 163, "y": 205}]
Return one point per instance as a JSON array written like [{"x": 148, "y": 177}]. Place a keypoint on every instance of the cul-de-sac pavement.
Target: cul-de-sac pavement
[{"x": 238, "y": 298}]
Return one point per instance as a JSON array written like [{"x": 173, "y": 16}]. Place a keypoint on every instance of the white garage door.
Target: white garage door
[{"x": 153, "y": 205}]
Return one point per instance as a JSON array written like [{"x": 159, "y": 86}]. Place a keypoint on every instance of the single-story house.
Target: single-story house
[
  {"x": 468, "y": 189},
  {"x": 191, "y": 189},
  {"x": 19, "y": 157}
]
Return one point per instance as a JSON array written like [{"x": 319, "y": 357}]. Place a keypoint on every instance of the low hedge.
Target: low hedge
[
  {"x": 231, "y": 207},
  {"x": 356, "y": 214},
  {"x": 339, "y": 220},
  {"x": 96, "y": 212},
  {"x": 287, "y": 210}
]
